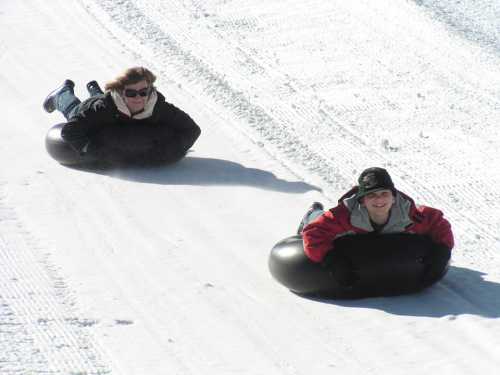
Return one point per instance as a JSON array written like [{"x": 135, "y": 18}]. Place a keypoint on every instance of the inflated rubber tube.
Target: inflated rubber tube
[
  {"x": 386, "y": 265},
  {"x": 60, "y": 150},
  {"x": 115, "y": 146}
]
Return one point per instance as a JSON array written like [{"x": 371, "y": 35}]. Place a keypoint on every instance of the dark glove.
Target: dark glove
[
  {"x": 435, "y": 262},
  {"x": 340, "y": 268}
]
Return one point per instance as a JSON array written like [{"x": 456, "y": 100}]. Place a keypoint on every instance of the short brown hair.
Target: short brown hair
[{"x": 131, "y": 76}]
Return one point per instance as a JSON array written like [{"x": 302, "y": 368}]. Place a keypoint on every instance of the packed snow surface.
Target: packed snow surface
[{"x": 164, "y": 270}]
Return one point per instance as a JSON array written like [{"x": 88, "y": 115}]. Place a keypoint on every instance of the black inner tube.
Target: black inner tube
[
  {"x": 114, "y": 146},
  {"x": 385, "y": 265}
]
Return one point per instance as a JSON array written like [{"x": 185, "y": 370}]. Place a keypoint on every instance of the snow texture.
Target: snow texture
[{"x": 164, "y": 270}]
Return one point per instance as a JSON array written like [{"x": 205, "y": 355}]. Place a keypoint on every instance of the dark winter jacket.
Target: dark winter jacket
[
  {"x": 163, "y": 134},
  {"x": 350, "y": 217}
]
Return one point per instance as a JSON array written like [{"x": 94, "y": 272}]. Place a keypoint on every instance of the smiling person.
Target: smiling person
[
  {"x": 373, "y": 206},
  {"x": 131, "y": 122}
]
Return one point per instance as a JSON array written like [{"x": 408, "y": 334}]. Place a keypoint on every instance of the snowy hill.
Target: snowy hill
[{"x": 164, "y": 270}]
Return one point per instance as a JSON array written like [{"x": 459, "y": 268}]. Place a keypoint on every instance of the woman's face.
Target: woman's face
[{"x": 136, "y": 96}]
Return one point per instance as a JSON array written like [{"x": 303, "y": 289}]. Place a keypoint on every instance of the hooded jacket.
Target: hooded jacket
[
  {"x": 104, "y": 126},
  {"x": 349, "y": 217}
]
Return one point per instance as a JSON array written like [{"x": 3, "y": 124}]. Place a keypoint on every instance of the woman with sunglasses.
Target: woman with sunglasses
[{"x": 129, "y": 123}]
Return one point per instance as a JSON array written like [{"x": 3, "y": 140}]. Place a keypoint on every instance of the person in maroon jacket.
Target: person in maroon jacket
[{"x": 374, "y": 206}]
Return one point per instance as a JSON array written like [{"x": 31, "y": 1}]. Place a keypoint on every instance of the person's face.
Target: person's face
[
  {"x": 379, "y": 203},
  {"x": 136, "y": 96}
]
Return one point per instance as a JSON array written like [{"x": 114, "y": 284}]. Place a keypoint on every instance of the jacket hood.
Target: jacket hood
[{"x": 399, "y": 219}]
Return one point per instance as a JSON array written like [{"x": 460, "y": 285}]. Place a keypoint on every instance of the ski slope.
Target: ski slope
[{"x": 164, "y": 270}]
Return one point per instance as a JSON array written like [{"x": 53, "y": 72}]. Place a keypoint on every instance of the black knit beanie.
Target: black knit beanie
[{"x": 372, "y": 180}]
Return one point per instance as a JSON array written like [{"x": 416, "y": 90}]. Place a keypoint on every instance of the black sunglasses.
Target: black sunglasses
[{"x": 131, "y": 93}]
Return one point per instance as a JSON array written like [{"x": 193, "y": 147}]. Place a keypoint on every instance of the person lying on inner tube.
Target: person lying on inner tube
[
  {"x": 130, "y": 122},
  {"x": 373, "y": 206}
]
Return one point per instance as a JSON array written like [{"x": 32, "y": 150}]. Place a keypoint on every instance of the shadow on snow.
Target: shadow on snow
[
  {"x": 462, "y": 291},
  {"x": 205, "y": 172}
]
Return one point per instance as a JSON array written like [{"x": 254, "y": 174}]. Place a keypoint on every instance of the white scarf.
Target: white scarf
[{"x": 148, "y": 108}]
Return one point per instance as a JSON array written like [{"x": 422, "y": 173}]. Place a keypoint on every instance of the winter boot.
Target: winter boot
[
  {"x": 314, "y": 211},
  {"x": 50, "y": 102},
  {"x": 94, "y": 89}
]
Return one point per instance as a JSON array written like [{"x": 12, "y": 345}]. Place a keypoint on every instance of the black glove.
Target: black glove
[
  {"x": 79, "y": 145},
  {"x": 435, "y": 262},
  {"x": 340, "y": 268}
]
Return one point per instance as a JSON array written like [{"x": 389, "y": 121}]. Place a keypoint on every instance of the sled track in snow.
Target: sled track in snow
[
  {"x": 471, "y": 19},
  {"x": 285, "y": 104},
  {"x": 40, "y": 330},
  {"x": 162, "y": 48}
]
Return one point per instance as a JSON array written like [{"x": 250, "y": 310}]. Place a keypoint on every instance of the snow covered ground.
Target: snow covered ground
[{"x": 164, "y": 270}]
